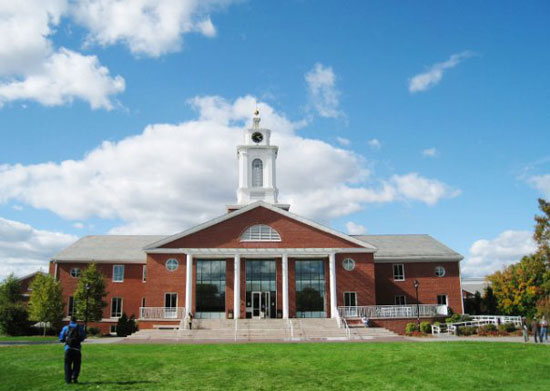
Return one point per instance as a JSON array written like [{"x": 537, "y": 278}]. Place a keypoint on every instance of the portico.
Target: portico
[{"x": 269, "y": 282}]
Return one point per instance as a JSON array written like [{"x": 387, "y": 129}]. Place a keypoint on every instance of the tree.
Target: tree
[
  {"x": 13, "y": 313},
  {"x": 543, "y": 307},
  {"x": 89, "y": 294},
  {"x": 520, "y": 286},
  {"x": 489, "y": 303},
  {"x": 542, "y": 229},
  {"x": 46, "y": 302}
]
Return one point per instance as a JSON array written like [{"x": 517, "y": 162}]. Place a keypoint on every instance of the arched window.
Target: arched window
[
  {"x": 260, "y": 233},
  {"x": 257, "y": 173}
]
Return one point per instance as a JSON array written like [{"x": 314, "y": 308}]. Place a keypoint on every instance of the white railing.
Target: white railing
[
  {"x": 499, "y": 319},
  {"x": 161, "y": 313},
  {"x": 477, "y": 321},
  {"x": 346, "y": 328},
  {"x": 393, "y": 311}
]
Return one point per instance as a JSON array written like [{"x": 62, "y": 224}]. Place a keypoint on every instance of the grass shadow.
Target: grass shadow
[{"x": 120, "y": 383}]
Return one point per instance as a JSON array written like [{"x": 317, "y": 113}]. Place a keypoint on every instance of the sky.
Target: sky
[{"x": 394, "y": 117}]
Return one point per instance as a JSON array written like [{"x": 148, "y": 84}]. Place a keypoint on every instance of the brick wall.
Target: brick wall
[
  {"x": 228, "y": 233},
  {"x": 429, "y": 284},
  {"x": 131, "y": 290}
]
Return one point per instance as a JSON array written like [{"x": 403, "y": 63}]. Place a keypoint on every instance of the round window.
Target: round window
[
  {"x": 348, "y": 264},
  {"x": 439, "y": 271},
  {"x": 75, "y": 272},
  {"x": 172, "y": 264}
]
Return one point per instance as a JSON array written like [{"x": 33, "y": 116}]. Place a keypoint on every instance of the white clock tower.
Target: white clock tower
[{"x": 257, "y": 173}]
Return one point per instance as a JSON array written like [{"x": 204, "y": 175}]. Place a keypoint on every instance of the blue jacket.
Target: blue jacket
[{"x": 65, "y": 332}]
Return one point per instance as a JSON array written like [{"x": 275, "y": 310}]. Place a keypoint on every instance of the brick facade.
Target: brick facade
[{"x": 372, "y": 282}]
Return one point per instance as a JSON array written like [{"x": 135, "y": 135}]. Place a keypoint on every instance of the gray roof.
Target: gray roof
[
  {"x": 108, "y": 248},
  {"x": 129, "y": 248},
  {"x": 409, "y": 247},
  {"x": 475, "y": 284}
]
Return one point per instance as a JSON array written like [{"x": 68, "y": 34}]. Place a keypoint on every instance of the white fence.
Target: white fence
[
  {"x": 393, "y": 311},
  {"x": 161, "y": 313},
  {"x": 477, "y": 321}
]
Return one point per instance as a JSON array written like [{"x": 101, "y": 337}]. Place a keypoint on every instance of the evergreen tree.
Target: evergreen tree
[
  {"x": 46, "y": 302},
  {"x": 542, "y": 230},
  {"x": 13, "y": 313},
  {"x": 89, "y": 294}
]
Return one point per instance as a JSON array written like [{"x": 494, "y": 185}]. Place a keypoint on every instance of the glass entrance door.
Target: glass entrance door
[{"x": 260, "y": 305}]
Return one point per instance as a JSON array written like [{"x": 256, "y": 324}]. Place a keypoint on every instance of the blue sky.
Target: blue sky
[{"x": 392, "y": 117}]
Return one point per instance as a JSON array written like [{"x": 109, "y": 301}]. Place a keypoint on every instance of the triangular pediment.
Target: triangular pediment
[{"x": 226, "y": 232}]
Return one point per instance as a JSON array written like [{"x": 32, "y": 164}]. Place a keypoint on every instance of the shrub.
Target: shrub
[
  {"x": 410, "y": 328},
  {"x": 454, "y": 318},
  {"x": 126, "y": 326},
  {"x": 425, "y": 327},
  {"x": 14, "y": 319},
  {"x": 467, "y": 330},
  {"x": 94, "y": 331},
  {"x": 509, "y": 327},
  {"x": 490, "y": 327}
]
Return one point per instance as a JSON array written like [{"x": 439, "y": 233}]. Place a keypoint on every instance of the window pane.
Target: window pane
[{"x": 210, "y": 288}]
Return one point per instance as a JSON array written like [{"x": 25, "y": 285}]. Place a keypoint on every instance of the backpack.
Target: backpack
[{"x": 73, "y": 338}]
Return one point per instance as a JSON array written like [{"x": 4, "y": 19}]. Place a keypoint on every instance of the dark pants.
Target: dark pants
[{"x": 73, "y": 358}]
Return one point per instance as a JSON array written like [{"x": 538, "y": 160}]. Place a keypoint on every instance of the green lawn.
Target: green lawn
[
  {"x": 33, "y": 338},
  {"x": 307, "y": 366}
]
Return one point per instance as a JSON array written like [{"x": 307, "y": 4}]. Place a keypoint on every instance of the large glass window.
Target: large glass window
[
  {"x": 210, "y": 288},
  {"x": 310, "y": 289},
  {"x": 257, "y": 173},
  {"x": 261, "y": 288}
]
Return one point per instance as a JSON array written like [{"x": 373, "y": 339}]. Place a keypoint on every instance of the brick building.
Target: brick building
[{"x": 261, "y": 261}]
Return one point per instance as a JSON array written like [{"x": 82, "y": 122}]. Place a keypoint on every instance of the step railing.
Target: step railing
[
  {"x": 499, "y": 319},
  {"x": 392, "y": 311},
  {"x": 161, "y": 313}
]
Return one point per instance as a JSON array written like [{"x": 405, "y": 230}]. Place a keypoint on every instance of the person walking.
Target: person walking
[
  {"x": 72, "y": 335},
  {"x": 524, "y": 329},
  {"x": 535, "y": 329},
  {"x": 189, "y": 320},
  {"x": 543, "y": 329}
]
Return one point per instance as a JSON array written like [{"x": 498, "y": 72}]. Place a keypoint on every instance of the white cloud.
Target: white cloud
[
  {"x": 78, "y": 225},
  {"x": 64, "y": 76},
  {"x": 430, "y": 152},
  {"x": 433, "y": 76},
  {"x": 541, "y": 183},
  {"x": 355, "y": 229},
  {"x": 489, "y": 256},
  {"x": 415, "y": 187},
  {"x": 149, "y": 27},
  {"x": 343, "y": 141},
  {"x": 374, "y": 143},
  {"x": 30, "y": 67},
  {"x": 323, "y": 94},
  {"x": 166, "y": 178},
  {"x": 24, "y": 249}
]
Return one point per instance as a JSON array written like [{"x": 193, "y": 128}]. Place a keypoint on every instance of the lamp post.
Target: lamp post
[
  {"x": 416, "y": 284},
  {"x": 87, "y": 287}
]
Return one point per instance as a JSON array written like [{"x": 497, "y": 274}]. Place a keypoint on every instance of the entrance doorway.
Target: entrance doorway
[{"x": 260, "y": 305}]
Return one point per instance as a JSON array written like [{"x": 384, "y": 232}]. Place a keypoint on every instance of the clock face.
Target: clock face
[{"x": 257, "y": 137}]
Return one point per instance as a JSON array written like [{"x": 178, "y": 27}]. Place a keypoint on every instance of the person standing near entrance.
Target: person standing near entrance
[
  {"x": 535, "y": 329},
  {"x": 189, "y": 320},
  {"x": 72, "y": 335}
]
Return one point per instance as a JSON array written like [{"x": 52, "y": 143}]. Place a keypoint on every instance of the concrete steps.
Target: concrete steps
[{"x": 262, "y": 330}]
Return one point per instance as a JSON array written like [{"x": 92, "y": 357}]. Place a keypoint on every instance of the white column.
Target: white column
[
  {"x": 189, "y": 284},
  {"x": 237, "y": 287},
  {"x": 285, "y": 285},
  {"x": 333, "y": 293}
]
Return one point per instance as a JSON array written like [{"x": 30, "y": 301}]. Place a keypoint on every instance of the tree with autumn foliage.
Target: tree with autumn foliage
[{"x": 519, "y": 287}]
